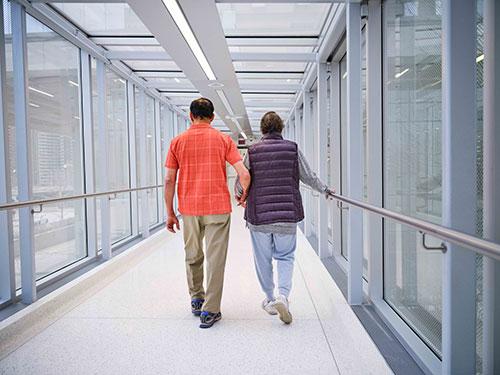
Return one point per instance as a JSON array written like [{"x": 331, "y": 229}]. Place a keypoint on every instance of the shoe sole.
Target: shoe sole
[
  {"x": 284, "y": 313},
  {"x": 270, "y": 312},
  {"x": 196, "y": 313},
  {"x": 204, "y": 325}
]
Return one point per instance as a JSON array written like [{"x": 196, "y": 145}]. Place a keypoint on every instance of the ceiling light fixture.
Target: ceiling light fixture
[
  {"x": 224, "y": 100},
  {"x": 41, "y": 92},
  {"x": 34, "y": 105},
  {"x": 181, "y": 22},
  {"x": 244, "y": 135},
  {"x": 73, "y": 83},
  {"x": 480, "y": 58},
  {"x": 177, "y": 80}
]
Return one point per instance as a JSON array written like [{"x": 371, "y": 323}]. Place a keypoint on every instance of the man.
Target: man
[
  {"x": 274, "y": 207},
  {"x": 200, "y": 155}
]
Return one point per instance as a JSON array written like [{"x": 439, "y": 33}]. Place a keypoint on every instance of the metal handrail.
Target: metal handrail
[
  {"x": 38, "y": 202},
  {"x": 478, "y": 245}
]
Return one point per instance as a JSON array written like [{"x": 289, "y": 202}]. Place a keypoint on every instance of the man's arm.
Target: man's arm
[
  {"x": 244, "y": 179},
  {"x": 170, "y": 180}
]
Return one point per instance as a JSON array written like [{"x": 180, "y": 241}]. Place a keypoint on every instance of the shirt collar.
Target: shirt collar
[{"x": 200, "y": 125}]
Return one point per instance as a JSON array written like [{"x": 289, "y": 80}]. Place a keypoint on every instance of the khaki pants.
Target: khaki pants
[{"x": 215, "y": 229}]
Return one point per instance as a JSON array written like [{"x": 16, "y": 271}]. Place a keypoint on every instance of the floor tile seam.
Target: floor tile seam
[{"x": 318, "y": 318}]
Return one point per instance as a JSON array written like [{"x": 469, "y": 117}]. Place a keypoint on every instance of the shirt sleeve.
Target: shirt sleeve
[
  {"x": 232, "y": 154},
  {"x": 172, "y": 162},
  {"x": 308, "y": 177}
]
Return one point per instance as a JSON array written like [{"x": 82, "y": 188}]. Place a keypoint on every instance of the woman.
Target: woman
[{"x": 273, "y": 207}]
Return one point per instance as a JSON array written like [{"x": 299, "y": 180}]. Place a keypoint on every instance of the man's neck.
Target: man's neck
[{"x": 200, "y": 121}]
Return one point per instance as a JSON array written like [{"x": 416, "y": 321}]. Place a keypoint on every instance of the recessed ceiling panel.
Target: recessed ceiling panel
[
  {"x": 151, "y": 65},
  {"x": 135, "y": 48},
  {"x": 98, "y": 19},
  {"x": 264, "y": 66},
  {"x": 260, "y": 19},
  {"x": 269, "y": 75},
  {"x": 271, "y": 49},
  {"x": 267, "y": 82}
]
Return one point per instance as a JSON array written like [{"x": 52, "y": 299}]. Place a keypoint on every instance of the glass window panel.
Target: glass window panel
[
  {"x": 273, "y": 19},
  {"x": 150, "y": 162},
  {"x": 152, "y": 65},
  {"x": 151, "y": 159},
  {"x": 55, "y": 138},
  {"x": 264, "y": 66},
  {"x": 103, "y": 19},
  {"x": 118, "y": 155},
  {"x": 118, "y": 176},
  {"x": 166, "y": 133},
  {"x": 412, "y": 161}
]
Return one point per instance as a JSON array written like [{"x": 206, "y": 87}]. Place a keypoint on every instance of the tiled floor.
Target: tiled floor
[{"x": 141, "y": 324}]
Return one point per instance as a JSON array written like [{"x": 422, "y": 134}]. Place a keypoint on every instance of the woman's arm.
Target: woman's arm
[{"x": 308, "y": 177}]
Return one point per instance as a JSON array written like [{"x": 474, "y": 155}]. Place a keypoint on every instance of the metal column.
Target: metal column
[
  {"x": 144, "y": 206},
  {"x": 159, "y": 163},
  {"x": 88, "y": 141},
  {"x": 132, "y": 157},
  {"x": 7, "y": 270},
  {"x": 23, "y": 151},
  {"x": 354, "y": 154},
  {"x": 374, "y": 147},
  {"x": 459, "y": 184},
  {"x": 308, "y": 145},
  {"x": 491, "y": 183},
  {"x": 103, "y": 160},
  {"x": 320, "y": 155}
]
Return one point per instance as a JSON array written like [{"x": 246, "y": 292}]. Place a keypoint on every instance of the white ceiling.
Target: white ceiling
[{"x": 259, "y": 51}]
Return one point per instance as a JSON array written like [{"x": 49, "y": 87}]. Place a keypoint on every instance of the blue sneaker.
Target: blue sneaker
[
  {"x": 196, "y": 305},
  {"x": 208, "y": 319}
]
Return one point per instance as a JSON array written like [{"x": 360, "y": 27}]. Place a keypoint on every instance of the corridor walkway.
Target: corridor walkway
[{"x": 140, "y": 323}]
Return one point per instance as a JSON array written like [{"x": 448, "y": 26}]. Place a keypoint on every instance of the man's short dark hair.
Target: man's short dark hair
[
  {"x": 202, "y": 108},
  {"x": 271, "y": 122}
]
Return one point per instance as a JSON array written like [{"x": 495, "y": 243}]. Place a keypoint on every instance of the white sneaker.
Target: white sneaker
[
  {"x": 268, "y": 307},
  {"x": 281, "y": 305}
]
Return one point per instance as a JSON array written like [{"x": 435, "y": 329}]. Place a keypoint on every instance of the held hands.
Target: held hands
[
  {"x": 242, "y": 200},
  {"x": 171, "y": 222}
]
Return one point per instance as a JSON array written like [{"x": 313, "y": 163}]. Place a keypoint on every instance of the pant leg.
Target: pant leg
[
  {"x": 193, "y": 245},
  {"x": 262, "y": 245},
  {"x": 217, "y": 239},
  {"x": 284, "y": 253}
]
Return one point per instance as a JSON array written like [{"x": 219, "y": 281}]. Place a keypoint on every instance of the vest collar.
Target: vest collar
[{"x": 273, "y": 135}]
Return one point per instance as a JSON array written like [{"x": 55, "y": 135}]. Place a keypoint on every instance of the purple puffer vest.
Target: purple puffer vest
[{"x": 274, "y": 195}]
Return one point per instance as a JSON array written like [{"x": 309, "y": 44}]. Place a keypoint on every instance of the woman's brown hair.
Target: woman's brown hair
[{"x": 271, "y": 122}]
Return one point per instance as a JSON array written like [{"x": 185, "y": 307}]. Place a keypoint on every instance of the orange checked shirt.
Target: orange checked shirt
[{"x": 200, "y": 154}]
